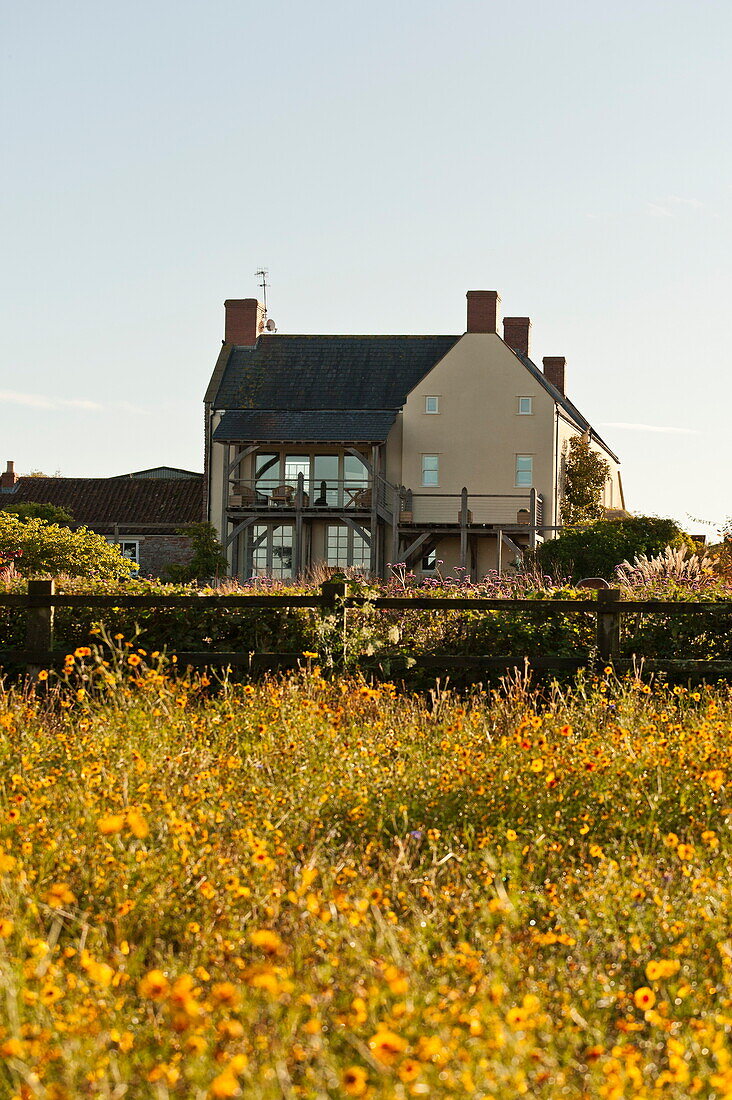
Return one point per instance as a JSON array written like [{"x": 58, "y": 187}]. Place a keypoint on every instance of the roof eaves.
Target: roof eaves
[{"x": 218, "y": 373}]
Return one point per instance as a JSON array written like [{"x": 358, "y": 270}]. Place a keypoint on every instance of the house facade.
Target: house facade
[
  {"x": 142, "y": 512},
  {"x": 357, "y": 451}
]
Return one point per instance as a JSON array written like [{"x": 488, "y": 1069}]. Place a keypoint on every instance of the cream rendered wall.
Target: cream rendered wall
[{"x": 478, "y": 431}]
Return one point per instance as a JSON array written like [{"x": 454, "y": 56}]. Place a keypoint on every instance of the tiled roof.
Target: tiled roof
[
  {"x": 326, "y": 372},
  {"x": 306, "y": 427},
  {"x": 102, "y": 501}
]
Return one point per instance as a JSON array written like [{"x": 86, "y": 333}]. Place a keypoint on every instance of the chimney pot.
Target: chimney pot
[
  {"x": 244, "y": 321},
  {"x": 483, "y": 308},
  {"x": 9, "y": 477},
  {"x": 516, "y": 333},
  {"x": 554, "y": 370}
]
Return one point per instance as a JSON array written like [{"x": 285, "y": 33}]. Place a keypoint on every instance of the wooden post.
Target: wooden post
[
  {"x": 332, "y": 592},
  {"x": 608, "y": 624},
  {"x": 464, "y": 529},
  {"x": 373, "y": 550},
  {"x": 39, "y": 624},
  {"x": 396, "y": 519},
  {"x": 499, "y": 555},
  {"x": 299, "y": 499},
  {"x": 532, "y": 519}
]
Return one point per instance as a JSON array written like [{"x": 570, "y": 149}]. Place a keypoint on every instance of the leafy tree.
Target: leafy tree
[
  {"x": 209, "y": 559},
  {"x": 585, "y": 474},
  {"x": 49, "y": 548},
  {"x": 595, "y": 550},
  {"x": 31, "y": 509}
]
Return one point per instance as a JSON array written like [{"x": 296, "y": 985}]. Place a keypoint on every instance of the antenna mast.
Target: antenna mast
[{"x": 263, "y": 274}]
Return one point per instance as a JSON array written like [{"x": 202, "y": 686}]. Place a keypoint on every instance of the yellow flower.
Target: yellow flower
[
  {"x": 224, "y": 1085},
  {"x": 136, "y": 824},
  {"x": 685, "y": 851},
  {"x": 225, "y": 993},
  {"x": 59, "y": 894},
  {"x": 537, "y": 765},
  {"x": 658, "y": 969},
  {"x": 644, "y": 997},
  {"x": 82, "y": 651},
  {"x": 266, "y": 941},
  {"x": 354, "y": 1081},
  {"x": 12, "y": 1048},
  {"x": 511, "y": 834},
  {"x": 154, "y": 985},
  {"x": 133, "y": 659},
  {"x": 6, "y": 928},
  {"x": 111, "y": 824},
  {"x": 409, "y": 1070},
  {"x": 386, "y": 1045},
  {"x": 714, "y": 778},
  {"x": 43, "y": 674}
]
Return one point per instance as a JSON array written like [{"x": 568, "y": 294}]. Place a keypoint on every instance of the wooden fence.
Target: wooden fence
[{"x": 606, "y": 606}]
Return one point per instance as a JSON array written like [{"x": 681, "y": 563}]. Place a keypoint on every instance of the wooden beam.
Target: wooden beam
[
  {"x": 240, "y": 456},
  {"x": 464, "y": 528},
  {"x": 416, "y": 545},
  {"x": 365, "y": 535},
  {"x": 373, "y": 548},
  {"x": 239, "y": 528}
]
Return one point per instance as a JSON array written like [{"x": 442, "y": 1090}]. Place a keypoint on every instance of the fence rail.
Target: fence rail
[{"x": 41, "y": 600}]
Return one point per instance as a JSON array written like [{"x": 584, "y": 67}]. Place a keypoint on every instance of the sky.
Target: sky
[{"x": 380, "y": 160}]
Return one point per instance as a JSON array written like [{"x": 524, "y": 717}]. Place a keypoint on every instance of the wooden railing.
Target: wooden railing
[{"x": 334, "y": 597}]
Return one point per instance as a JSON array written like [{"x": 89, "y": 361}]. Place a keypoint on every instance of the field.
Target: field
[{"x": 323, "y": 889}]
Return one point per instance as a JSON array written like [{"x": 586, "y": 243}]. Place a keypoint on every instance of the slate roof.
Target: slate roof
[
  {"x": 314, "y": 426},
  {"x": 325, "y": 372},
  {"x": 106, "y": 501}
]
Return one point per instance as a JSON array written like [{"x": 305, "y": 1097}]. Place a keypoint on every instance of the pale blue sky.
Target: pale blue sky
[{"x": 381, "y": 160}]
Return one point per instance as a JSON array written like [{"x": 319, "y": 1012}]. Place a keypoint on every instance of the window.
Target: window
[
  {"x": 271, "y": 550},
  {"x": 429, "y": 561},
  {"x": 344, "y": 546},
  {"x": 430, "y": 469},
  {"x": 431, "y": 404},
  {"x": 525, "y": 406},
  {"x": 128, "y": 548},
  {"x": 524, "y": 471}
]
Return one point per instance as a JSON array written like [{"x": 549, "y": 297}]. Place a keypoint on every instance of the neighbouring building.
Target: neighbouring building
[
  {"x": 142, "y": 512},
  {"x": 364, "y": 450}
]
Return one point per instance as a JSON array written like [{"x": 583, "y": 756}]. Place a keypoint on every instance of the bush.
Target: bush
[
  {"x": 208, "y": 560},
  {"x": 596, "y": 550},
  {"x": 31, "y": 509},
  {"x": 48, "y": 548}
]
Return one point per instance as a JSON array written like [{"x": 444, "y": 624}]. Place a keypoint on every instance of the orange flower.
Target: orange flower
[
  {"x": 133, "y": 659},
  {"x": 136, "y": 824},
  {"x": 644, "y": 997},
  {"x": 266, "y": 941},
  {"x": 111, "y": 824},
  {"x": 59, "y": 894},
  {"x": 386, "y": 1045},
  {"x": 154, "y": 985},
  {"x": 354, "y": 1081}
]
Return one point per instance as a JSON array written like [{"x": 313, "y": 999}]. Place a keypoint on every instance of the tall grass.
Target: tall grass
[{"x": 323, "y": 889}]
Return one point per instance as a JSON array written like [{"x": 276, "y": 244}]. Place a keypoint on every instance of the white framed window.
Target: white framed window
[
  {"x": 344, "y": 547},
  {"x": 128, "y": 548},
  {"x": 271, "y": 550},
  {"x": 525, "y": 406},
  {"x": 524, "y": 471},
  {"x": 430, "y": 470},
  {"x": 432, "y": 404},
  {"x": 429, "y": 561}
]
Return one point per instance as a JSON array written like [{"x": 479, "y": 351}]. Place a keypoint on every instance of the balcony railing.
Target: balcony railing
[
  {"x": 496, "y": 509},
  {"x": 304, "y": 493}
]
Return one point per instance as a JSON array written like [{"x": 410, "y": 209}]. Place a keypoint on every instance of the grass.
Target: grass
[{"x": 321, "y": 889}]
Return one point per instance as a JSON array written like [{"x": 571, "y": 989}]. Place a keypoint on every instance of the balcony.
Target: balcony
[
  {"x": 504, "y": 510},
  {"x": 303, "y": 494}
]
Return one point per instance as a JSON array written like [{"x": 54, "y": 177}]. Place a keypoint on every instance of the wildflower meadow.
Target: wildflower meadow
[{"x": 312, "y": 887}]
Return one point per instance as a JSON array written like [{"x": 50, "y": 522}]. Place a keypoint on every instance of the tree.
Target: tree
[
  {"x": 43, "y": 547},
  {"x": 209, "y": 559},
  {"x": 31, "y": 509},
  {"x": 585, "y": 474}
]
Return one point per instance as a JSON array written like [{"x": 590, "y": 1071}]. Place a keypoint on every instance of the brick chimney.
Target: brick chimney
[
  {"x": 244, "y": 321},
  {"x": 554, "y": 370},
  {"x": 516, "y": 333},
  {"x": 9, "y": 477},
  {"x": 483, "y": 308}
]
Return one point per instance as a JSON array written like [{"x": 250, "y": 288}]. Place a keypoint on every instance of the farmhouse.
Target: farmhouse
[
  {"x": 363, "y": 450},
  {"x": 142, "y": 512}
]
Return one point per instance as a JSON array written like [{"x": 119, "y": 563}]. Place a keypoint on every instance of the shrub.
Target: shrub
[
  {"x": 596, "y": 550},
  {"x": 48, "y": 548},
  {"x": 31, "y": 509}
]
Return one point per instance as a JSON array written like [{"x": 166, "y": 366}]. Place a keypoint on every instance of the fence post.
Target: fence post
[
  {"x": 464, "y": 528},
  {"x": 608, "y": 623},
  {"x": 333, "y": 592},
  {"x": 39, "y": 623}
]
